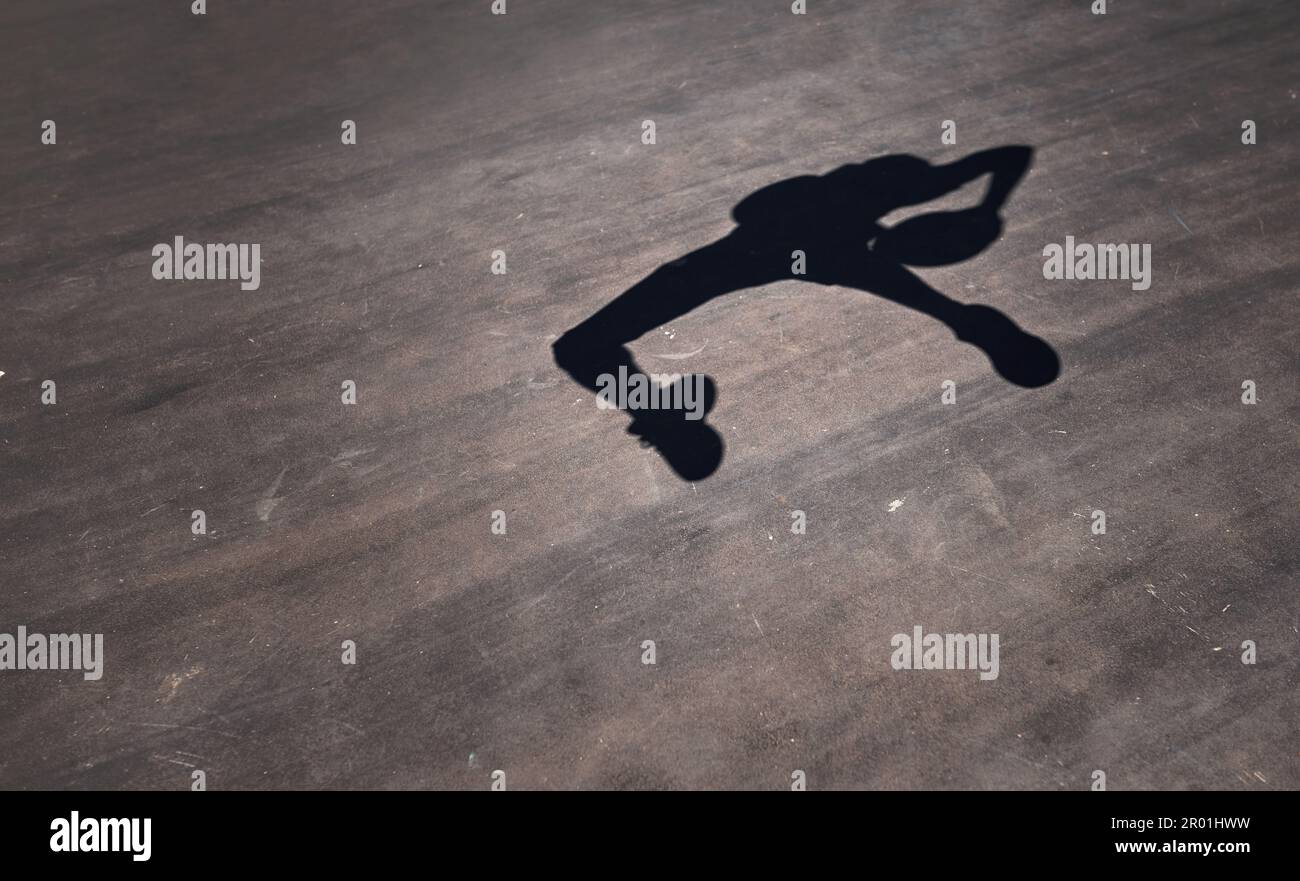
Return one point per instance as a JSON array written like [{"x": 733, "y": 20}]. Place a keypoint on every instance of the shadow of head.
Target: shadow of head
[{"x": 845, "y": 206}]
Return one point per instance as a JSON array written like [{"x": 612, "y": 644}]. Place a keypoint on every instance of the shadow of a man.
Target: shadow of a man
[{"x": 834, "y": 220}]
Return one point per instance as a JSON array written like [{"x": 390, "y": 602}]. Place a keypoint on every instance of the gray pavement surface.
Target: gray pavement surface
[{"x": 523, "y": 652}]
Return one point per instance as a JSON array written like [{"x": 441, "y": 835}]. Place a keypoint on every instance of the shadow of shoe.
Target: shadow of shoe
[
  {"x": 1017, "y": 356},
  {"x": 691, "y": 447}
]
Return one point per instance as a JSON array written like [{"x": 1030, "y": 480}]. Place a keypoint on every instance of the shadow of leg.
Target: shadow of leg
[
  {"x": 1019, "y": 357},
  {"x": 593, "y": 351}
]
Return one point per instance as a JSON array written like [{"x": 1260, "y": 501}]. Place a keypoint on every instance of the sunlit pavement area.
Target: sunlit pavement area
[{"x": 517, "y": 642}]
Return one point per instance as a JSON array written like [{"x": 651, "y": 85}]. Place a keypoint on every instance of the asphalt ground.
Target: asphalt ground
[{"x": 524, "y": 652}]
